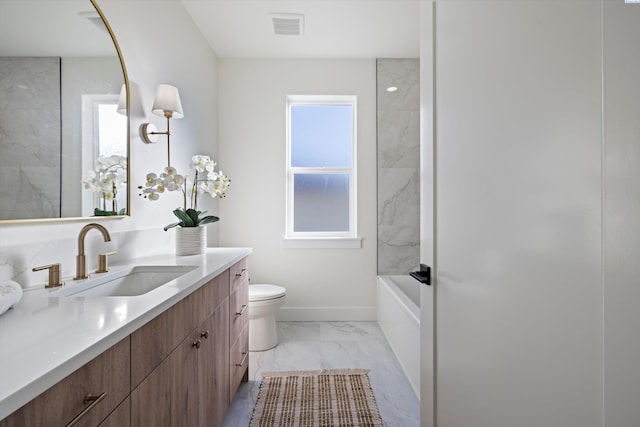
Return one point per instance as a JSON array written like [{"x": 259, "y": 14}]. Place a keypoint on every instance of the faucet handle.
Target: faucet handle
[
  {"x": 54, "y": 274},
  {"x": 102, "y": 262}
]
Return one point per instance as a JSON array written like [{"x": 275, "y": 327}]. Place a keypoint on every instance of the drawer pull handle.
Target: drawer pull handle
[
  {"x": 205, "y": 335},
  {"x": 89, "y": 399},
  {"x": 242, "y": 272},
  {"x": 242, "y": 310},
  {"x": 196, "y": 344},
  {"x": 245, "y": 354}
]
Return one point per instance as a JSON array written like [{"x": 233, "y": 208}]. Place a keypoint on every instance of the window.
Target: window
[
  {"x": 112, "y": 130},
  {"x": 321, "y": 173}
]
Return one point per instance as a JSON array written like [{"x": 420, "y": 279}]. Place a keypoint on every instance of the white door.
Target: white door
[
  {"x": 622, "y": 214},
  {"x": 427, "y": 231},
  {"x": 518, "y": 292}
]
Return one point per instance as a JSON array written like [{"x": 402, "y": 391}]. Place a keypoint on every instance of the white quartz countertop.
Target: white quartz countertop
[{"x": 44, "y": 339}]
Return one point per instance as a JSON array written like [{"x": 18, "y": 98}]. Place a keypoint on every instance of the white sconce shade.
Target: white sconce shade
[
  {"x": 167, "y": 101},
  {"x": 167, "y": 104},
  {"x": 122, "y": 101}
]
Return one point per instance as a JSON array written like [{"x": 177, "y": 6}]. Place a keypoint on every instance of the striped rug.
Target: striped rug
[{"x": 327, "y": 398}]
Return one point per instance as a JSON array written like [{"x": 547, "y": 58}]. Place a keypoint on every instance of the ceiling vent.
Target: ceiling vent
[{"x": 287, "y": 24}]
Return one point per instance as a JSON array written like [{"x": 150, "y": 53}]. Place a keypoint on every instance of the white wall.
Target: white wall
[
  {"x": 160, "y": 45},
  {"x": 322, "y": 284}
]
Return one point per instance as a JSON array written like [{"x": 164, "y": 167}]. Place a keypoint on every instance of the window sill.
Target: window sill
[{"x": 321, "y": 242}]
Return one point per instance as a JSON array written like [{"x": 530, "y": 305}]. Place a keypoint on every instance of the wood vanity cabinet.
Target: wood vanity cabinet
[
  {"x": 167, "y": 396},
  {"x": 85, "y": 398},
  {"x": 121, "y": 417},
  {"x": 239, "y": 325},
  {"x": 213, "y": 357},
  {"x": 155, "y": 341},
  {"x": 190, "y": 386},
  {"x": 182, "y": 368}
]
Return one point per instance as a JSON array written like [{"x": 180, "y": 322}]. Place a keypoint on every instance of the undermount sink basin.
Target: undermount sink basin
[{"x": 130, "y": 282}]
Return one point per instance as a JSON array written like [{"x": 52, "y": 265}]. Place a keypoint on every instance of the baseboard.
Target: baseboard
[{"x": 327, "y": 314}]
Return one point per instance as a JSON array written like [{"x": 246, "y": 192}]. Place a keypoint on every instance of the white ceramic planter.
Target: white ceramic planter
[{"x": 191, "y": 240}]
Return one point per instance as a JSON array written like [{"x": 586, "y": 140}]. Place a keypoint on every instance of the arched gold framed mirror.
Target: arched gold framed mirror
[{"x": 64, "y": 122}]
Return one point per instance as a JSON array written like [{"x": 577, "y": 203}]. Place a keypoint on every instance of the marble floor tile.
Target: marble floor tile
[{"x": 332, "y": 345}]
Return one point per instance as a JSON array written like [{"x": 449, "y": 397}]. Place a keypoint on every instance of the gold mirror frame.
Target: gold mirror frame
[{"x": 128, "y": 104}]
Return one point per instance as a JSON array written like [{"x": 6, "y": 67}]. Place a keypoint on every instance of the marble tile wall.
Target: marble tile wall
[
  {"x": 29, "y": 137},
  {"x": 398, "y": 165}
]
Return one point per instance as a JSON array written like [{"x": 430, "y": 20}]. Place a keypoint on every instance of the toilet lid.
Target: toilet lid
[{"x": 265, "y": 292}]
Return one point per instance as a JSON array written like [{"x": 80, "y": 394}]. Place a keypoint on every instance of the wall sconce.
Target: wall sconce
[{"x": 167, "y": 104}]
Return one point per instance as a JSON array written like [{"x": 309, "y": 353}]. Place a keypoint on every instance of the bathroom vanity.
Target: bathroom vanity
[{"x": 172, "y": 356}]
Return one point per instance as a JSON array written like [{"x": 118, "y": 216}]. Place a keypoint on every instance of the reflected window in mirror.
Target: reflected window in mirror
[
  {"x": 112, "y": 126},
  {"x": 104, "y": 156}
]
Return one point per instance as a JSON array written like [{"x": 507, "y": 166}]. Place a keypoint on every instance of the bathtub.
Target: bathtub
[{"x": 398, "y": 310}]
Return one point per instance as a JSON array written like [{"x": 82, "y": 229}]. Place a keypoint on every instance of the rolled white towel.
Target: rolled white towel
[{"x": 10, "y": 294}]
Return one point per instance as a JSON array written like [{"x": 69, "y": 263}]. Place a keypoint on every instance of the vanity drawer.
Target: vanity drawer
[
  {"x": 239, "y": 360},
  {"x": 239, "y": 275},
  {"x": 239, "y": 311},
  {"x": 87, "y": 396}
]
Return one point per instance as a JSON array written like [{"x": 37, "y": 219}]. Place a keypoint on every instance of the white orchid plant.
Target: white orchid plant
[
  {"x": 205, "y": 180},
  {"x": 108, "y": 175}
]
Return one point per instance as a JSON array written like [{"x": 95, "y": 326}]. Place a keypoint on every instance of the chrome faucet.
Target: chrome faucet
[{"x": 81, "y": 260}]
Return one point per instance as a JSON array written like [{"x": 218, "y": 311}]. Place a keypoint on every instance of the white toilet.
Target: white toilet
[{"x": 264, "y": 300}]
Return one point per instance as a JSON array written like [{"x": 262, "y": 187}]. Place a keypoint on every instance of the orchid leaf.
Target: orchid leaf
[
  {"x": 209, "y": 219},
  {"x": 193, "y": 217},
  {"x": 185, "y": 219},
  {"x": 175, "y": 224}
]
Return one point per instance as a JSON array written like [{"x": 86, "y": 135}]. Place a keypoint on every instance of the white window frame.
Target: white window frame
[{"x": 348, "y": 239}]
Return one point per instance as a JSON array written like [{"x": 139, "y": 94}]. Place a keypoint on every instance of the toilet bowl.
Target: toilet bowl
[{"x": 264, "y": 300}]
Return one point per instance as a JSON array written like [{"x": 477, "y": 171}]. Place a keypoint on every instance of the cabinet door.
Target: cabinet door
[
  {"x": 213, "y": 371},
  {"x": 121, "y": 417},
  {"x": 168, "y": 396},
  {"x": 105, "y": 379},
  {"x": 152, "y": 343}
]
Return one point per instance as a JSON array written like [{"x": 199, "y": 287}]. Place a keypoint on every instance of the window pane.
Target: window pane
[
  {"x": 321, "y": 202},
  {"x": 321, "y": 135},
  {"x": 112, "y": 131}
]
